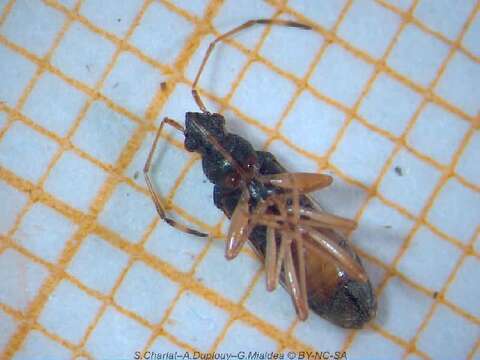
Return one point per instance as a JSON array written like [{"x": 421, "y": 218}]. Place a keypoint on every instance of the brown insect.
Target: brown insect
[{"x": 302, "y": 245}]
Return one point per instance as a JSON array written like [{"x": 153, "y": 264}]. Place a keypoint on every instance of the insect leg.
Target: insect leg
[
  {"x": 239, "y": 228},
  {"x": 286, "y": 241},
  {"x": 325, "y": 219},
  {"x": 295, "y": 274},
  {"x": 302, "y": 271},
  {"x": 303, "y": 182},
  {"x": 153, "y": 193},
  {"x": 271, "y": 259},
  {"x": 296, "y": 285},
  {"x": 235, "y": 30},
  {"x": 294, "y": 279},
  {"x": 335, "y": 251}
]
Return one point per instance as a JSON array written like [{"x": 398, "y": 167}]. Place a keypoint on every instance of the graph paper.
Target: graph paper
[{"x": 382, "y": 95}]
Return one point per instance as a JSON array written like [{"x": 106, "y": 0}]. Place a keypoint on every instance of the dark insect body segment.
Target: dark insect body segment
[
  {"x": 301, "y": 244},
  {"x": 331, "y": 292}
]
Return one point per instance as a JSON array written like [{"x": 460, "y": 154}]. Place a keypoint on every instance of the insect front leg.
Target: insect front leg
[
  {"x": 301, "y": 182},
  {"x": 239, "y": 228},
  {"x": 153, "y": 193}
]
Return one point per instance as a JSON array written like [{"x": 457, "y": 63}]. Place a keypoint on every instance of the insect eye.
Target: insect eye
[
  {"x": 232, "y": 180},
  {"x": 250, "y": 163},
  {"x": 190, "y": 143}
]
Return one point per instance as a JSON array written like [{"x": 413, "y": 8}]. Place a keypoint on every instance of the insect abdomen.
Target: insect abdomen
[{"x": 331, "y": 293}]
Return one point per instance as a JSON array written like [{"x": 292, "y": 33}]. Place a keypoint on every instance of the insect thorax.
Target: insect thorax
[{"x": 226, "y": 158}]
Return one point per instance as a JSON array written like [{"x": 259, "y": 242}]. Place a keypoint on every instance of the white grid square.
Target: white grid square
[
  {"x": 153, "y": 297},
  {"x": 341, "y": 75},
  {"x": 21, "y": 279},
  {"x": 417, "y": 55},
  {"x": 456, "y": 211},
  {"x": 290, "y": 158},
  {"x": 108, "y": 339},
  {"x": 436, "y": 339},
  {"x": 361, "y": 27},
  {"x": 447, "y": 129},
  {"x": 381, "y": 231},
  {"x": 192, "y": 316},
  {"x": 54, "y": 104},
  {"x": 312, "y": 116},
  {"x": 168, "y": 162},
  {"x": 399, "y": 295},
  {"x": 458, "y": 84},
  {"x": 195, "y": 196},
  {"x": 427, "y": 251},
  {"x": 341, "y": 197},
  {"x": 38, "y": 346},
  {"x": 432, "y": 13},
  {"x": 235, "y": 275},
  {"x": 371, "y": 151},
  {"x": 235, "y": 12},
  {"x": 325, "y": 13},
  {"x": 26, "y": 152},
  {"x": 83, "y": 54},
  {"x": 44, "y": 232},
  {"x": 103, "y": 133},
  {"x": 32, "y": 25},
  {"x": 292, "y": 49},
  {"x": 470, "y": 40},
  {"x": 196, "y": 7},
  {"x": 389, "y": 104},
  {"x": 465, "y": 291},
  {"x": 95, "y": 253},
  {"x": 132, "y": 83},
  {"x": 412, "y": 357},
  {"x": 175, "y": 247},
  {"x": 409, "y": 182},
  {"x": 274, "y": 307},
  {"x": 237, "y": 124},
  {"x": 128, "y": 212},
  {"x": 178, "y": 103},
  {"x": 367, "y": 340},
  {"x": 69, "y": 312},
  {"x": 244, "y": 337},
  {"x": 13, "y": 201},
  {"x": 468, "y": 164},
  {"x": 86, "y": 183},
  {"x": 376, "y": 274},
  {"x": 222, "y": 68},
  {"x": 16, "y": 71},
  {"x": 163, "y": 345},
  {"x": 8, "y": 326},
  {"x": 111, "y": 15},
  {"x": 261, "y": 83},
  {"x": 149, "y": 36},
  {"x": 317, "y": 332}
]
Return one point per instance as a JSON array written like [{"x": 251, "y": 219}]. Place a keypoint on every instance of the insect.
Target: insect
[{"x": 302, "y": 245}]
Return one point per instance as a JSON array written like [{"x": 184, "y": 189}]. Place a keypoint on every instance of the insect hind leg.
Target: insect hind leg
[{"x": 153, "y": 192}]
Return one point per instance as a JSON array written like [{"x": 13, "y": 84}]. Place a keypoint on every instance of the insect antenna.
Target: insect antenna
[{"x": 222, "y": 37}]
